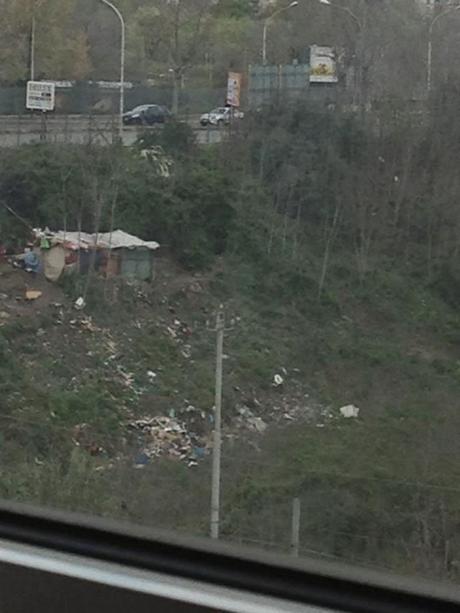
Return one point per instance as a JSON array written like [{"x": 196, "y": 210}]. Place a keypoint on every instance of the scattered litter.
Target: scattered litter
[
  {"x": 349, "y": 411},
  {"x": 278, "y": 380},
  {"x": 4, "y": 315},
  {"x": 167, "y": 437},
  {"x": 85, "y": 324},
  {"x": 33, "y": 294},
  {"x": 127, "y": 378},
  {"x": 80, "y": 304},
  {"x": 257, "y": 424},
  {"x": 142, "y": 459},
  {"x": 151, "y": 375}
]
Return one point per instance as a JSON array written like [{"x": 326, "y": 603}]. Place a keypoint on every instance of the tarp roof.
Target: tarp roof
[
  {"x": 123, "y": 240},
  {"x": 115, "y": 240}
]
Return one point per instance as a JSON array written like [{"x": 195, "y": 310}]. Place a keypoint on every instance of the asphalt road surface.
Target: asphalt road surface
[{"x": 17, "y": 130}]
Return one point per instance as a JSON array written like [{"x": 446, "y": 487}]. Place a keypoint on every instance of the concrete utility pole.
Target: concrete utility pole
[
  {"x": 430, "y": 45},
  {"x": 217, "y": 443},
  {"x": 295, "y": 530},
  {"x": 122, "y": 66},
  {"x": 267, "y": 23}
]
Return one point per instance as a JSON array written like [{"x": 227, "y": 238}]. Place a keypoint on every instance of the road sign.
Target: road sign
[{"x": 40, "y": 95}]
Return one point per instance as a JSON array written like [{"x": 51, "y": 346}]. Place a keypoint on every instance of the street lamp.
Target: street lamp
[
  {"x": 267, "y": 23},
  {"x": 122, "y": 65},
  {"x": 430, "y": 45},
  {"x": 345, "y": 9},
  {"x": 32, "y": 50}
]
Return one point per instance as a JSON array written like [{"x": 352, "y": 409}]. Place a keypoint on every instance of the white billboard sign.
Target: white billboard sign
[
  {"x": 323, "y": 65},
  {"x": 40, "y": 95}
]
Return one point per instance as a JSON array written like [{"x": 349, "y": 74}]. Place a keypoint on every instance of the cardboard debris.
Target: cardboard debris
[{"x": 33, "y": 294}]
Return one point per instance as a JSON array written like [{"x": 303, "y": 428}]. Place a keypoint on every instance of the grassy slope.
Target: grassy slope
[{"x": 391, "y": 348}]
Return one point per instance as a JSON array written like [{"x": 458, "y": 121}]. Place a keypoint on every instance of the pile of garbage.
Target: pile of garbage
[
  {"x": 247, "y": 420},
  {"x": 167, "y": 437}
]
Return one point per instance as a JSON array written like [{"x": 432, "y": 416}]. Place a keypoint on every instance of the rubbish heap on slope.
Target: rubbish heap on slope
[{"x": 167, "y": 437}]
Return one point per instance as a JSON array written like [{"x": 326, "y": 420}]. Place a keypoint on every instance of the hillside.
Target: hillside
[{"x": 108, "y": 410}]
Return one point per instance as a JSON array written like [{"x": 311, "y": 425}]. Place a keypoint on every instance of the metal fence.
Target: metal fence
[
  {"x": 86, "y": 98},
  {"x": 286, "y": 83}
]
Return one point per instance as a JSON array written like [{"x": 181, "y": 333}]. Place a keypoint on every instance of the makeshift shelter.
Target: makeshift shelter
[{"x": 115, "y": 254}]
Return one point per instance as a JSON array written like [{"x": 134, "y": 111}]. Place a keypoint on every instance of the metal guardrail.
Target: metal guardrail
[{"x": 17, "y": 130}]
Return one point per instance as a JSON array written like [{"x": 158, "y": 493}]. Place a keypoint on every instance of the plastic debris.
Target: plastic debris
[
  {"x": 80, "y": 304},
  {"x": 257, "y": 424},
  {"x": 142, "y": 459},
  {"x": 349, "y": 411},
  {"x": 278, "y": 380},
  {"x": 151, "y": 375}
]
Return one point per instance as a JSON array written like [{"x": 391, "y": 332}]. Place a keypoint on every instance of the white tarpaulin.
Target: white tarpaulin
[
  {"x": 113, "y": 240},
  {"x": 121, "y": 240}
]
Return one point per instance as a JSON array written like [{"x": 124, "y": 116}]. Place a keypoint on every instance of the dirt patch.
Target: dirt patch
[{"x": 14, "y": 285}]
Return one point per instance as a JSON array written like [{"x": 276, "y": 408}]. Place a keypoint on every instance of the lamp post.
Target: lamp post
[
  {"x": 359, "y": 81},
  {"x": 430, "y": 45},
  {"x": 345, "y": 9},
  {"x": 122, "y": 65},
  {"x": 32, "y": 50},
  {"x": 267, "y": 23}
]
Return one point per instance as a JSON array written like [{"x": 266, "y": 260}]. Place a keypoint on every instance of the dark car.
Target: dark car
[{"x": 146, "y": 114}]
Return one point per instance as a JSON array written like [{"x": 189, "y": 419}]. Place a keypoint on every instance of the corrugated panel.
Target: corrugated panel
[
  {"x": 267, "y": 83},
  {"x": 137, "y": 264}
]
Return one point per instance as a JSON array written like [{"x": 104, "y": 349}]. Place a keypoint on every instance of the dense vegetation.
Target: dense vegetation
[{"x": 334, "y": 247}]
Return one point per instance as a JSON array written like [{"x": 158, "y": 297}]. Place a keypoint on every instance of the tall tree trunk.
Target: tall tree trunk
[{"x": 331, "y": 234}]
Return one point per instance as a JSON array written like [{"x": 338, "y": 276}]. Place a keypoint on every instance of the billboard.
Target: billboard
[
  {"x": 323, "y": 65},
  {"x": 234, "y": 89},
  {"x": 40, "y": 95}
]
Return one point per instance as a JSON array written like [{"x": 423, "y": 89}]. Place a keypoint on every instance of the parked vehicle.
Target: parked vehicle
[
  {"x": 147, "y": 114},
  {"x": 223, "y": 115}
]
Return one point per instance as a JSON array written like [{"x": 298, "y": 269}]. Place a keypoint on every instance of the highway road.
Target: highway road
[{"x": 17, "y": 130}]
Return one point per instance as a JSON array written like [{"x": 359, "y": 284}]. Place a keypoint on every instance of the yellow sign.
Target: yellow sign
[{"x": 323, "y": 65}]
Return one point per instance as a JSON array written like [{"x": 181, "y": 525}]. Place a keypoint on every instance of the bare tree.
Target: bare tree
[{"x": 174, "y": 32}]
